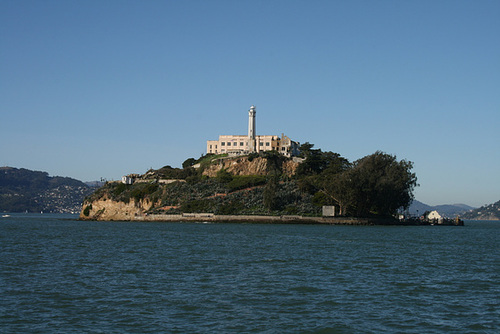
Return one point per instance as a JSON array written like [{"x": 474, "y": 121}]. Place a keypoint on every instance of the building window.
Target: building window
[
  {"x": 267, "y": 144},
  {"x": 261, "y": 144},
  {"x": 223, "y": 144},
  {"x": 241, "y": 143},
  {"x": 228, "y": 143}
]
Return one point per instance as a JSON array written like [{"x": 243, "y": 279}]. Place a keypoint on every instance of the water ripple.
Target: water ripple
[{"x": 68, "y": 276}]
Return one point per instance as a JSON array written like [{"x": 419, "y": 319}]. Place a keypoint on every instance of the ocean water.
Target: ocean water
[{"x": 60, "y": 275}]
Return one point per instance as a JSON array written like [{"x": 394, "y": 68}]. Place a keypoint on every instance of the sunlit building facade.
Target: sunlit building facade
[{"x": 252, "y": 143}]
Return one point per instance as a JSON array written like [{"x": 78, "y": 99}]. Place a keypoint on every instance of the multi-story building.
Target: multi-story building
[{"x": 241, "y": 144}]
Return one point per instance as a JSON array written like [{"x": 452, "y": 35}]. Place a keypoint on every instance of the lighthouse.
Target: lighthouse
[{"x": 251, "y": 129}]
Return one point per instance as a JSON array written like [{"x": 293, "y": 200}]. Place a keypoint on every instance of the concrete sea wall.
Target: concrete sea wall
[{"x": 209, "y": 217}]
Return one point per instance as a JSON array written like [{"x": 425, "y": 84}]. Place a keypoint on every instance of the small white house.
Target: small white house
[{"x": 434, "y": 215}]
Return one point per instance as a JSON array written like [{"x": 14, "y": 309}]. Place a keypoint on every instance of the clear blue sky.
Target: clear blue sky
[{"x": 92, "y": 89}]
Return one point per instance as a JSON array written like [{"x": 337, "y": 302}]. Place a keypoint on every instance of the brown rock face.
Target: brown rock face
[
  {"x": 289, "y": 167},
  {"x": 242, "y": 166},
  {"x": 106, "y": 209}
]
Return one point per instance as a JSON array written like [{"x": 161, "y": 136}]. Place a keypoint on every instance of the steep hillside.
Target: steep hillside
[
  {"x": 117, "y": 201},
  {"x": 244, "y": 185},
  {"x": 487, "y": 212},
  {"x": 34, "y": 191}
]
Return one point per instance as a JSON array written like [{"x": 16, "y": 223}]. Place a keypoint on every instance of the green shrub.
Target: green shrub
[
  {"x": 193, "y": 179},
  {"x": 291, "y": 210},
  {"x": 87, "y": 209},
  {"x": 198, "y": 205},
  {"x": 168, "y": 172},
  {"x": 224, "y": 176},
  {"x": 245, "y": 181},
  {"x": 252, "y": 156},
  {"x": 118, "y": 189},
  {"x": 209, "y": 157},
  {"x": 320, "y": 199},
  {"x": 230, "y": 208},
  {"x": 141, "y": 191}
]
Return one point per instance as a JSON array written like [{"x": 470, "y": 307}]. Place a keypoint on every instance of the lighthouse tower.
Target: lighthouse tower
[{"x": 251, "y": 129}]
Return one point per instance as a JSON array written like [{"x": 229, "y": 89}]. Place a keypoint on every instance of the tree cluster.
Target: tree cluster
[{"x": 376, "y": 185}]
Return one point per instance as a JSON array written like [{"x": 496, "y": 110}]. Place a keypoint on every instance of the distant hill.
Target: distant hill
[
  {"x": 34, "y": 191},
  {"x": 447, "y": 210},
  {"x": 487, "y": 212}
]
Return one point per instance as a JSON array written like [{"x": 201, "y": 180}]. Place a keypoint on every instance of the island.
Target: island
[
  {"x": 262, "y": 178},
  {"x": 313, "y": 187}
]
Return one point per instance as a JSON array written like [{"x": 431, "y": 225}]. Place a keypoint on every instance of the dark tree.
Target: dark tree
[
  {"x": 377, "y": 184},
  {"x": 270, "y": 197},
  {"x": 188, "y": 163},
  {"x": 305, "y": 149},
  {"x": 339, "y": 187},
  {"x": 316, "y": 162},
  {"x": 381, "y": 184},
  {"x": 274, "y": 161}
]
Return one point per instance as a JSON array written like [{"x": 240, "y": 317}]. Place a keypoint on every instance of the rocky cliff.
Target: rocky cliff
[
  {"x": 248, "y": 166},
  {"x": 108, "y": 209}
]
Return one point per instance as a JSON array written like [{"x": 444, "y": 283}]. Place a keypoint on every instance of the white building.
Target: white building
[
  {"x": 434, "y": 215},
  {"x": 241, "y": 144},
  {"x": 127, "y": 179}
]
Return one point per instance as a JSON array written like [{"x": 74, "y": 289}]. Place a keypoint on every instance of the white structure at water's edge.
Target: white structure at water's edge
[{"x": 435, "y": 216}]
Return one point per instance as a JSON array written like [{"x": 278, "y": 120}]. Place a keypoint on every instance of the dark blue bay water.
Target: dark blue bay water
[{"x": 59, "y": 275}]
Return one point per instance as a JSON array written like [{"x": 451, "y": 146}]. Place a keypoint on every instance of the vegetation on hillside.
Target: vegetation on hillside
[{"x": 376, "y": 185}]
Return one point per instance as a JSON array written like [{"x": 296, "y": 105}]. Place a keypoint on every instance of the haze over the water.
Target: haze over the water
[{"x": 94, "y": 89}]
